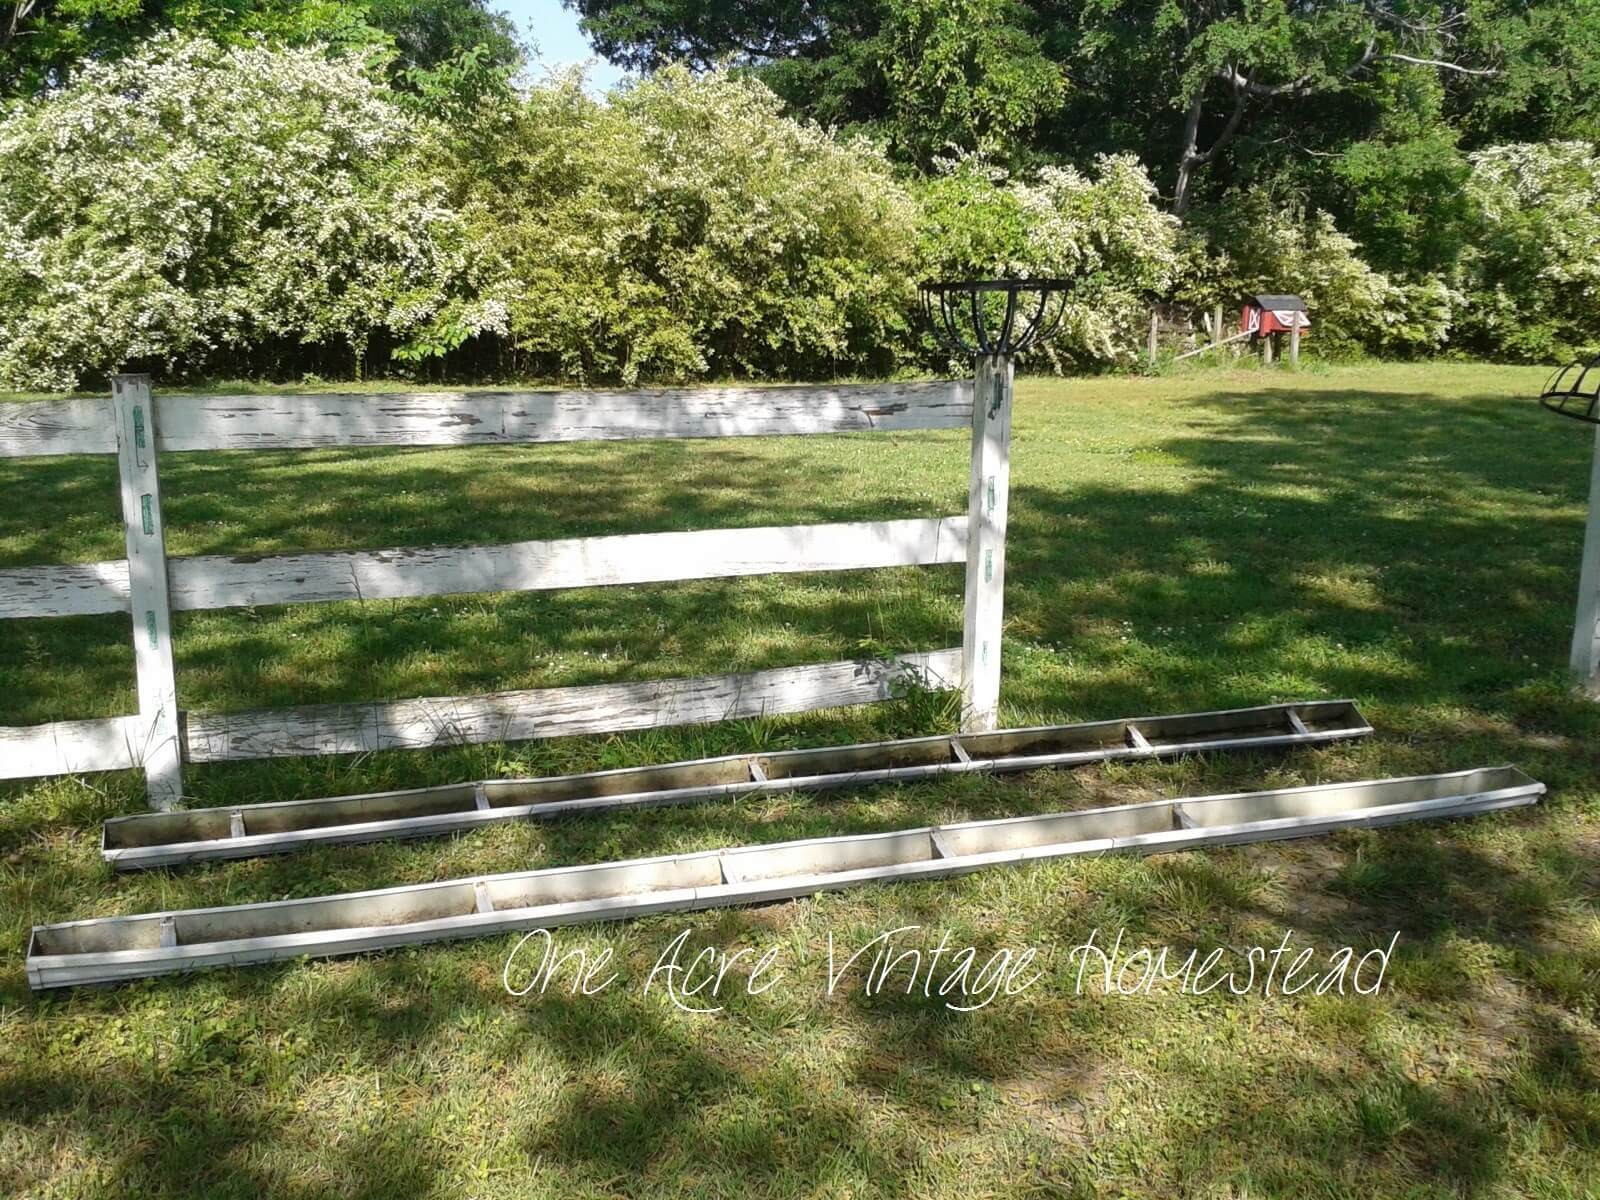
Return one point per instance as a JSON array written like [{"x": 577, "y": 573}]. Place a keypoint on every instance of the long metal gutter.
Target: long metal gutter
[
  {"x": 110, "y": 949},
  {"x": 158, "y": 839}
]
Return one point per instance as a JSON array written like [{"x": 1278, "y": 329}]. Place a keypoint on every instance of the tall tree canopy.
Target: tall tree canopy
[
  {"x": 1210, "y": 93},
  {"x": 43, "y": 42},
  {"x": 929, "y": 76}
]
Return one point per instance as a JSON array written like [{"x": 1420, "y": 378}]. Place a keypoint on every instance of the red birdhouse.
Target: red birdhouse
[{"x": 1274, "y": 314}]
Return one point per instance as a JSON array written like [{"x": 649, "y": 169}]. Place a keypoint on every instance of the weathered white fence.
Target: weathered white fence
[{"x": 137, "y": 426}]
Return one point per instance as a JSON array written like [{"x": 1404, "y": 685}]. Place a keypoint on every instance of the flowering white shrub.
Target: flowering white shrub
[
  {"x": 1534, "y": 267},
  {"x": 190, "y": 198},
  {"x": 1419, "y": 317},
  {"x": 1106, "y": 234},
  {"x": 1109, "y": 236},
  {"x": 194, "y": 207}
]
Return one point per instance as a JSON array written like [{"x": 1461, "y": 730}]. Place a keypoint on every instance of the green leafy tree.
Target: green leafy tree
[
  {"x": 44, "y": 42},
  {"x": 927, "y": 76},
  {"x": 965, "y": 75},
  {"x": 646, "y": 34},
  {"x": 1547, "y": 86},
  {"x": 1209, "y": 93},
  {"x": 1395, "y": 181},
  {"x": 1279, "y": 80}
]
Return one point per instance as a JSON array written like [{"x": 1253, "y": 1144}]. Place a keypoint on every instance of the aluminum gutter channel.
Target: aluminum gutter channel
[
  {"x": 111, "y": 949},
  {"x": 198, "y": 835}
]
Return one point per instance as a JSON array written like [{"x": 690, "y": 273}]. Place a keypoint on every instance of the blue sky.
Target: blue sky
[{"x": 555, "y": 34}]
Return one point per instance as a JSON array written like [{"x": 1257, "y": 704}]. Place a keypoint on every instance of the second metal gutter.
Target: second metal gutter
[
  {"x": 197, "y": 835},
  {"x": 109, "y": 949}
]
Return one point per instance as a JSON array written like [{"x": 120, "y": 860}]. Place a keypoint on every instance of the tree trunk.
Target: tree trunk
[{"x": 1191, "y": 158}]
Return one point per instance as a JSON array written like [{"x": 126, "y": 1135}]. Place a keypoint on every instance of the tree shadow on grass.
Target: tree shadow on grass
[
  {"x": 259, "y": 502},
  {"x": 619, "y": 1093},
  {"x": 1416, "y": 555},
  {"x": 248, "y": 504},
  {"x": 1305, "y": 555},
  {"x": 178, "y": 1129}
]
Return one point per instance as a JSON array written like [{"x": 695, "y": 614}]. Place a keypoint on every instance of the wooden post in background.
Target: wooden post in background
[
  {"x": 1585, "y": 659},
  {"x": 156, "y": 744},
  {"x": 1294, "y": 342},
  {"x": 987, "y": 499},
  {"x": 1266, "y": 348},
  {"x": 1155, "y": 334},
  {"x": 1216, "y": 324}
]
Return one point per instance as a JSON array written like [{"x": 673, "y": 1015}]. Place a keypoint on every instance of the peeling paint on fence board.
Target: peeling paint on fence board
[
  {"x": 66, "y": 590},
  {"x": 234, "y": 581},
  {"x": 111, "y": 744},
  {"x": 291, "y": 422},
  {"x": 493, "y": 418},
  {"x": 557, "y": 712},
  {"x": 45, "y": 428},
  {"x": 65, "y": 747}
]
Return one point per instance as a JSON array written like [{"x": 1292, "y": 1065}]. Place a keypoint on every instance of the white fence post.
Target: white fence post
[
  {"x": 1586, "y": 631},
  {"x": 987, "y": 498},
  {"x": 157, "y": 740}
]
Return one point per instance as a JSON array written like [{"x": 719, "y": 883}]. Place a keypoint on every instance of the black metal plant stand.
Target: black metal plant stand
[
  {"x": 1574, "y": 391},
  {"x": 962, "y": 323},
  {"x": 993, "y": 320}
]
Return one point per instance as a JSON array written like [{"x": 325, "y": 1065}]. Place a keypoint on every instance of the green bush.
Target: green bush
[
  {"x": 1518, "y": 275},
  {"x": 686, "y": 228},
  {"x": 194, "y": 207},
  {"x": 1250, "y": 246}
]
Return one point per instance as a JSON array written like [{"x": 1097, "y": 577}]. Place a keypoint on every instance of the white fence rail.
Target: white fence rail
[
  {"x": 223, "y": 581},
  {"x": 137, "y": 426},
  {"x": 292, "y": 422}
]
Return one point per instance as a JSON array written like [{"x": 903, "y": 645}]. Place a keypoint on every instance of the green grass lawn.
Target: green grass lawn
[{"x": 1405, "y": 536}]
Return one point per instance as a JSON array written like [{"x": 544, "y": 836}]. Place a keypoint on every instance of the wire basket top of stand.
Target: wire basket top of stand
[
  {"x": 1032, "y": 313},
  {"x": 1574, "y": 391}
]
